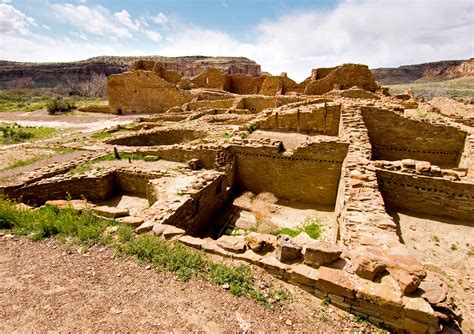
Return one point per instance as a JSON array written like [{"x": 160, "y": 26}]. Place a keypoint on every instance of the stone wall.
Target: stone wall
[
  {"x": 343, "y": 77},
  {"x": 310, "y": 174},
  {"x": 434, "y": 196},
  {"x": 157, "y": 137},
  {"x": 317, "y": 118},
  {"x": 394, "y": 137},
  {"x": 93, "y": 187},
  {"x": 143, "y": 92},
  {"x": 184, "y": 153}
]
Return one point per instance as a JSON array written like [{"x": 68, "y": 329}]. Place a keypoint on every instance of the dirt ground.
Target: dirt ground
[
  {"x": 446, "y": 247},
  {"x": 45, "y": 288}
]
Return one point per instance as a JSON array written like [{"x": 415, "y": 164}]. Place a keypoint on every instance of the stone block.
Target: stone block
[
  {"x": 334, "y": 281},
  {"x": 271, "y": 264},
  {"x": 248, "y": 256},
  {"x": 419, "y": 310},
  {"x": 173, "y": 232},
  {"x": 287, "y": 250},
  {"x": 303, "y": 274},
  {"x": 109, "y": 211},
  {"x": 211, "y": 247},
  {"x": 408, "y": 283},
  {"x": 260, "y": 243},
  {"x": 130, "y": 221},
  {"x": 368, "y": 266},
  {"x": 231, "y": 244},
  {"x": 191, "y": 241},
  {"x": 144, "y": 227},
  {"x": 384, "y": 294},
  {"x": 317, "y": 254}
]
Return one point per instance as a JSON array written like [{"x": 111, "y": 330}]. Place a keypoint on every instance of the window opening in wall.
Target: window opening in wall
[{"x": 119, "y": 111}]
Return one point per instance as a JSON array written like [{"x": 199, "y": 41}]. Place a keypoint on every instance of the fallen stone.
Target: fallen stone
[
  {"x": 194, "y": 164},
  {"x": 433, "y": 289},
  {"x": 385, "y": 295},
  {"x": 109, "y": 211},
  {"x": 408, "y": 283},
  {"x": 287, "y": 250},
  {"x": 158, "y": 229},
  {"x": 419, "y": 309},
  {"x": 231, "y": 244},
  {"x": 144, "y": 227},
  {"x": 131, "y": 221},
  {"x": 368, "y": 266},
  {"x": 260, "y": 243},
  {"x": 317, "y": 254},
  {"x": 422, "y": 167}
]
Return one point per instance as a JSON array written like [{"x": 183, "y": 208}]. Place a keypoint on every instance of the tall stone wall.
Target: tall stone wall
[
  {"x": 143, "y": 92},
  {"x": 434, "y": 196},
  {"x": 394, "y": 137},
  {"x": 309, "y": 175},
  {"x": 319, "y": 118}
]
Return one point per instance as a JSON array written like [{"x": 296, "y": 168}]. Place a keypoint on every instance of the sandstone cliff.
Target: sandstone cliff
[
  {"x": 50, "y": 74},
  {"x": 436, "y": 71}
]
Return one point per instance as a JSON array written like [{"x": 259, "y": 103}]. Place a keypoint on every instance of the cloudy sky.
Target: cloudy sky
[{"x": 288, "y": 35}]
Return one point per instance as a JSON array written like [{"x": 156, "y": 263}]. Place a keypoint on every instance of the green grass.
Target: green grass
[
  {"x": 311, "y": 225},
  {"x": 462, "y": 87},
  {"x": 87, "y": 229},
  {"x": 49, "y": 221},
  {"x": 22, "y": 101},
  {"x": 12, "y": 133},
  {"x": 22, "y": 163}
]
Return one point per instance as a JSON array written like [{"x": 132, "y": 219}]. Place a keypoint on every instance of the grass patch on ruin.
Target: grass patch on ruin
[
  {"x": 311, "y": 226},
  {"x": 84, "y": 229},
  {"x": 49, "y": 221},
  {"x": 12, "y": 133}
]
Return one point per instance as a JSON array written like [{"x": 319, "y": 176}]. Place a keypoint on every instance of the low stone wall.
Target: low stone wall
[
  {"x": 429, "y": 195},
  {"x": 157, "y": 137},
  {"x": 183, "y": 153},
  {"x": 395, "y": 137},
  {"x": 98, "y": 186},
  {"x": 310, "y": 174}
]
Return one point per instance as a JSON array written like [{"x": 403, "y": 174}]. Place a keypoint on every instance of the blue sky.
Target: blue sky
[{"x": 288, "y": 35}]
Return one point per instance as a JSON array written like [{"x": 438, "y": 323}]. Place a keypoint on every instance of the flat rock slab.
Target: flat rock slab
[
  {"x": 144, "y": 227},
  {"x": 231, "y": 244},
  {"x": 131, "y": 221},
  {"x": 109, "y": 211},
  {"x": 334, "y": 281},
  {"x": 173, "y": 232},
  {"x": 191, "y": 241},
  {"x": 76, "y": 204},
  {"x": 319, "y": 253}
]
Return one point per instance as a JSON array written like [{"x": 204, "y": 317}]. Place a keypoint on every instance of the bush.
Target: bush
[{"x": 58, "y": 105}]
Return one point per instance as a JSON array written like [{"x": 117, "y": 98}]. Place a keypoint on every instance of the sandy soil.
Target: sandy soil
[
  {"x": 45, "y": 288},
  {"x": 446, "y": 247}
]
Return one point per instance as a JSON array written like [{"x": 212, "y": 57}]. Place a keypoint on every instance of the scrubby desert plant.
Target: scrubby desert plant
[{"x": 56, "y": 105}]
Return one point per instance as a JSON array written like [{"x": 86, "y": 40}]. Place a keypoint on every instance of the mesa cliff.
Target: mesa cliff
[{"x": 51, "y": 74}]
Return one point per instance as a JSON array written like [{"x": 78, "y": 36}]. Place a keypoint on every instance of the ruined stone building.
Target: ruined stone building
[{"x": 241, "y": 157}]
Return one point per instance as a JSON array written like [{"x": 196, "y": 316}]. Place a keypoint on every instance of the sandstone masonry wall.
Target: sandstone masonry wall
[
  {"x": 434, "y": 196},
  {"x": 308, "y": 175},
  {"x": 394, "y": 137}
]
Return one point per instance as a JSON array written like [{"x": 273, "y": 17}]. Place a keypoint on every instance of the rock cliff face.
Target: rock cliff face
[
  {"x": 13, "y": 74},
  {"x": 441, "y": 70}
]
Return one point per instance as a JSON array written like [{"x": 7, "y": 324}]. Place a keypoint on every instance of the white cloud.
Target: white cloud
[
  {"x": 124, "y": 18},
  {"x": 160, "y": 19},
  {"x": 95, "y": 20},
  {"x": 46, "y": 27},
  {"x": 373, "y": 32},
  {"x": 153, "y": 35},
  {"x": 14, "y": 22}
]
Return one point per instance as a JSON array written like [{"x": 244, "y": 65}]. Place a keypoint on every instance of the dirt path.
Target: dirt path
[{"x": 45, "y": 288}]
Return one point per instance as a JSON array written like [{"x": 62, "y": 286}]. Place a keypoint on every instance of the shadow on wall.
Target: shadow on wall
[{"x": 394, "y": 137}]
